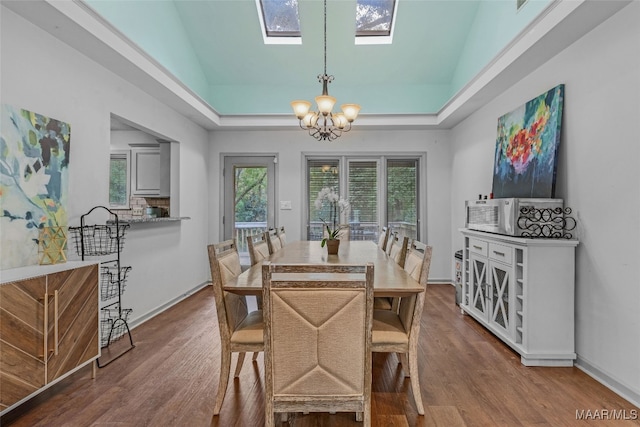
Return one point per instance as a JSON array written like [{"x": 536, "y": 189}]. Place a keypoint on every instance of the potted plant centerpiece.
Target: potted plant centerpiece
[{"x": 336, "y": 206}]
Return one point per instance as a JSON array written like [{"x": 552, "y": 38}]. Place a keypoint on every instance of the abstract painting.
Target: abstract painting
[
  {"x": 34, "y": 177},
  {"x": 527, "y": 148}
]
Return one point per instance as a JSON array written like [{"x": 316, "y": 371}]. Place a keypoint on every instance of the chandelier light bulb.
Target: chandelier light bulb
[
  {"x": 310, "y": 120},
  {"x": 325, "y": 103},
  {"x": 300, "y": 108},
  {"x": 339, "y": 120},
  {"x": 350, "y": 111}
]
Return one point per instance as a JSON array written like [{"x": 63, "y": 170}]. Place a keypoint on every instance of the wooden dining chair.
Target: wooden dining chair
[
  {"x": 258, "y": 247},
  {"x": 282, "y": 236},
  {"x": 398, "y": 332},
  {"x": 398, "y": 253},
  {"x": 273, "y": 241},
  {"x": 398, "y": 249},
  {"x": 384, "y": 236},
  {"x": 392, "y": 235},
  {"x": 317, "y": 339},
  {"x": 240, "y": 330}
]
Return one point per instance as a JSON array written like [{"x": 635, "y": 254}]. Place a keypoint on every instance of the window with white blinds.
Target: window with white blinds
[
  {"x": 320, "y": 174},
  {"x": 363, "y": 197},
  {"x": 382, "y": 191}
]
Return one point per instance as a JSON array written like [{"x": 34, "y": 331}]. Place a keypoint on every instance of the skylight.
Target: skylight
[
  {"x": 280, "y": 21},
  {"x": 374, "y": 17},
  {"x": 374, "y": 21}
]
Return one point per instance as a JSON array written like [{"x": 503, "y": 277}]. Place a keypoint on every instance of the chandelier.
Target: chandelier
[{"x": 324, "y": 125}]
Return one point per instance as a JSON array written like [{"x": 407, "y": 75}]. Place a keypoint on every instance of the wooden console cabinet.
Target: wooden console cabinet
[
  {"x": 48, "y": 327},
  {"x": 523, "y": 291}
]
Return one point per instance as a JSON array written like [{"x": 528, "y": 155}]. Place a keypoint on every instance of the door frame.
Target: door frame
[{"x": 245, "y": 159}]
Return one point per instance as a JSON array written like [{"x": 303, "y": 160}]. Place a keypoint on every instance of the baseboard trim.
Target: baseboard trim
[
  {"x": 608, "y": 381},
  {"x": 151, "y": 314}
]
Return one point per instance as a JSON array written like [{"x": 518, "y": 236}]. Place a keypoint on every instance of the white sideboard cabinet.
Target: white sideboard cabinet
[{"x": 523, "y": 291}]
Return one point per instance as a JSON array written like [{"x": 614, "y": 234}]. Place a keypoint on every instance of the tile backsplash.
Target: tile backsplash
[{"x": 139, "y": 207}]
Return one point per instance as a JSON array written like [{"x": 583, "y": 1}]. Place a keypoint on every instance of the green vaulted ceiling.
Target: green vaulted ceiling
[{"x": 216, "y": 49}]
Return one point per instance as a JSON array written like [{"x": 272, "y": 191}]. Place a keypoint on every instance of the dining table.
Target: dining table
[{"x": 389, "y": 279}]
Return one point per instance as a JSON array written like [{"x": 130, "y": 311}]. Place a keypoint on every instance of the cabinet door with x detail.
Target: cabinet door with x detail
[{"x": 500, "y": 296}]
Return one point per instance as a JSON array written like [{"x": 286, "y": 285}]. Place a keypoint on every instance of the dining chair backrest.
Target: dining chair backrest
[
  {"x": 317, "y": 338},
  {"x": 273, "y": 241},
  {"x": 258, "y": 247},
  {"x": 398, "y": 250},
  {"x": 390, "y": 239},
  {"x": 417, "y": 264},
  {"x": 224, "y": 262},
  {"x": 282, "y": 236},
  {"x": 384, "y": 236}
]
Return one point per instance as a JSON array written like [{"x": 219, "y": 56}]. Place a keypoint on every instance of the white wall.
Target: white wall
[
  {"x": 289, "y": 146},
  {"x": 598, "y": 177},
  {"x": 42, "y": 74}
]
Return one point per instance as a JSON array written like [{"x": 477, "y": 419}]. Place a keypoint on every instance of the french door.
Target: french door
[
  {"x": 249, "y": 197},
  {"x": 381, "y": 190}
]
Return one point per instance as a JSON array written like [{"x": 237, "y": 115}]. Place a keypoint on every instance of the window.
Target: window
[
  {"x": 363, "y": 197},
  {"x": 320, "y": 174},
  {"x": 382, "y": 190},
  {"x": 402, "y": 190},
  {"x": 374, "y": 21},
  {"x": 119, "y": 175},
  {"x": 279, "y": 21}
]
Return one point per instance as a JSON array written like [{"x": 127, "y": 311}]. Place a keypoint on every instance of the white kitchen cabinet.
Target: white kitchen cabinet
[
  {"x": 522, "y": 290},
  {"x": 151, "y": 171},
  {"x": 491, "y": 285},
  {"x": 145, "y": 172}
]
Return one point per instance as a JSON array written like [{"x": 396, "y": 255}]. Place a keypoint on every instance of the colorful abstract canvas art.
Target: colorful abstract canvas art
[
  {"x": 527, "y": 148},
  {"x": 34, "y": 177}
]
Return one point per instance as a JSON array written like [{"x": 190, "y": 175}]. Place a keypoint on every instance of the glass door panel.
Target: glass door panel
[
  {"x": 478, "y": 286},
  {"x": 363, "y": 197},
  {"x": 402, "y": 197},
  {"x": 320, "y": 174},
  {"x": 249, "y": 198},
  {"x": 500, "y": 296}
]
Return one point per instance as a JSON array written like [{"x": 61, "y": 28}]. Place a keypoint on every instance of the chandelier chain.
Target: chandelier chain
[
  {"x": 325, "y": 37},
  {"x": 325, "y": 125}
]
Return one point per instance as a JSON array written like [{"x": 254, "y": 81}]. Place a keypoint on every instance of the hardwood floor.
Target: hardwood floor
[{"x": 468, "y": 378}]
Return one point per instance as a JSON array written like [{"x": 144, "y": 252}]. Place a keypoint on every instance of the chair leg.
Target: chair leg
[
  {"x": 395, "y": 304},
  {"x": 406, "y": 366},
  {"x": 269, "y": 416},
  {"x": 415, "y": 381},
  {"x": 366, "y": 422},
  {"x": 255, "y": 355},
  {"x": 239, "y": 365},
  {"x": 225, "y": 370}
]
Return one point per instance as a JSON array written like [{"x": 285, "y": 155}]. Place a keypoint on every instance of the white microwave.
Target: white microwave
[{"x": 502, "y": 216}]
